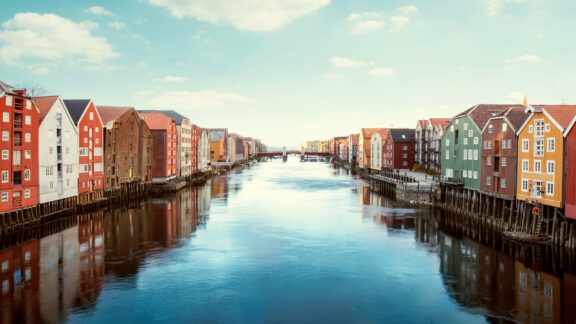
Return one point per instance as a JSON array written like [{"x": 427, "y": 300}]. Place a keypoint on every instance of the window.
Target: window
[
  {"x": 488, "y": 145},
  {"x": 465, "y": 141},
  {"x": 27, "y": 155},
  {"x": 549, "y": 189},
  {"x": 5, "y": 154},
  {"x": 97, "y": 129},
  {"x": 504, "y": 161},
  {"x": 6, "y": 117},
  {"x": 504, "y": 127},
  {"x": 5, "y": 176},
  {"x": 447, "y": 142},
  {"x": 489, "y": 160},
  {"x": 488, "y": 181},
  {"x": 447, "y": 154},
  {"x": 539, "y": 148},
  {"x": 524, "y": 185},
  {"x": 83, "y": 151},
  {"x": 502, "y": 183},
  {"x": 51, "y": 184},
  {"x": 27, "y": 137},
  {"x": 97, "y": 151},
  {"x": 27, "y": 120},
  {"x": 27, "y": 175},
  {"x": 91, "y": 116},
  {"x": 547, "y": 127},
  {"x": 476, "y": 141},
  {"x": 537, "y": 166},
  {"x": 530, "y": 129},
  {"x": 470, "y": 133},
  {"x": 537, "y": 189},
  {"x": 465, "y": 157},
  {"x": 5, "y": 136},
  {"x": 525, "y": 145},
  {"x": 27, "y": 193},
  {"x": 475, "y": 155},
  {"x": 525, "y": 166},
  {"x": 550, "y": 167},
  {"x": 85, "y": 128},
  {"x": 504, "y": 144},
  {"x": 465, "y": 126},
  {"x": 4, "y": 197},
  {"x": 475, "y": 174},
  {"x": 539, "y": 125},
  {"x": 490, "y": 129},
  {"x": 551, "y": 145},
  {"x": 50, "y": 150},
  {"x": 85, "y": 140},
  {"x": 465, "y": 174}
]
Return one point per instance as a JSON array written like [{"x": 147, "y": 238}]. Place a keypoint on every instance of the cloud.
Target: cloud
[
  {"x": 196, "y": 100},
  {"x": 46, "y": 39},
  {"x": 348, "y": 63},
  {"x": 171, "y": 79},
  {"x": 371, "y": 21},
  {"x": 524, "y": 58},
  {"x": 250, "y": 15},
  {"x": 116, "y": 25},
  {"x": 99, "y": 11},
  {"x": 516, "y": 97},
  {"x": 495, "y": 7},
  {"x": 202, "y": 36},
  {"x": 382, "y": 72}
]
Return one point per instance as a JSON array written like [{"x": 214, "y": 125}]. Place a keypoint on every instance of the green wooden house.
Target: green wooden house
[{"x": 461, "y": 146}]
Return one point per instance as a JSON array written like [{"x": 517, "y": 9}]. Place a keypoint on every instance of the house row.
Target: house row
[
  {"x": 512, "y": 152},
  {"x": 55, "y": 149}
]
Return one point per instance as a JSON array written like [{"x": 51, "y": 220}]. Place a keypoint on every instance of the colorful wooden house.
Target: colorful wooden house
[
  {"x": 353, "y": 148},
  {"x": 570, "y": 178},
  {"x": 203, "y": 152},
  {"x": 541, "y": 169},
  {"x": 499, "y": 149},
  {"x": 218, "y": 138},
  {"x": 165, "y": 147},
  {"x": 376, "y": 148},
  {"x": 364, "y": 143},
  {"x": 398, "y": 149},
  {"x": 90, "y": 149},
  {"x": 461, "y": 146}
]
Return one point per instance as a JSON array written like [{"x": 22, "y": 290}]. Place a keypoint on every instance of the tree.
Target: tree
[{"x": 35, "y": 89}]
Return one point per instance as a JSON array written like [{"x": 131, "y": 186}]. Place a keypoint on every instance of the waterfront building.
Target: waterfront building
[
  {"x": 165, "y": 147},
  {"x": 376, "y": 142},
  {"x": 185, "y": 152},
  {"x": 398, "y": 148},
  {"x": 57, "y": 151},
  {"x": 195, "y": 140},
  {"x": 570, "y": 154},
  {"x": 203, "y": 152},
  {"x": 461, "y": 146},
  {"x": 420, "y": 141},
  {"x": 121, "y": 146},
  {"x": 247, "y": 145},
  {"x": 19, "y": 146},
  {"x": 90, "y": 149},
  {"x": 541, "y": 171},
  {"x": 218, "y": 144},
  {"x": 364, "y": 144},
  {"x": 145, "y": 151},
  {"x": 231, "y": 149},
  {"x": 343, "y": 149},
  {"x": 499, "y": 149},
  {"x": 353, "y": 148},
  {"x": 428, "y": 135}
]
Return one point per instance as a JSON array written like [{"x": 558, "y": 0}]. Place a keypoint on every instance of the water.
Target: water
[{"x": 279, "y": 242}]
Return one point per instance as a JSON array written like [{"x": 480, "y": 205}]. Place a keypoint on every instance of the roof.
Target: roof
[
  {"x": 111, "y": 113},
  {"x": 442, "y": 122},
  {"x": 170, "y": 113},
  {"x": 480, "y": 114},
  {"x": 5, "y": 87},
  {"x": 422, "y": 123},
  {"x": 155, "y": 121},
  {"x": 402, "y": 135},
  {"x": 367, "y": 132},
  {"x": 516, "y": 116},
  {"x": 44, "y": 104},
  {"x": 562, "y": 114},
  {"x": 76, "y": 108}
]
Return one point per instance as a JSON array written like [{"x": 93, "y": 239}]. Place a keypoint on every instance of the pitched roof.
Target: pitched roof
[
  {"x": 368, "y": 132},
  {"x": 480, "y": 114},
  {"x": 442, "y": 122},
  {"x": 355, "y": 138},
  {"x": 562, "y": 114},
  {"x": 178, "y": 118},
  {"x": 422, "y": 123},
  {"x": 44, "y": 104},
  {"x": 156, "y": 121},
  {"x": 516, "y": 116},
  {"x": 76, "y": 108},
  {"x": 402, "y": 135},
  {"x": 5, "y": 87},
  {"x": 111, "y": 113}
]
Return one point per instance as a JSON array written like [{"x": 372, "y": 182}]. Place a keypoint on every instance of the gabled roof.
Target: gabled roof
[
  {"x": 402, "y": 135},
  {"x": 44, "y": 104},
  {"x": 368, "y": 132},
  {"x": 516, "y": 117},
  {"x": 156, "y": 121},
  {"x": 480, "y": 114},
  {"x": 422, "y": 123},
  {"x": 442, "y": 122},
  {"x": 562, "y": 114},
  {"x": 76, "y": 108},
  {"x": 110, "y": 113},
  {"x": 5, "y": 87},
  {"x": 178, "y": 118}
]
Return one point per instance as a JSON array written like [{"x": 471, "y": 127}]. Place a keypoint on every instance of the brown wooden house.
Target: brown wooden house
[{"x": 499, "y": 156}]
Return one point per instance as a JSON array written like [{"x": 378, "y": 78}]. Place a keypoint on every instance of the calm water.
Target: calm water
[{"x": 279, "y": 242}]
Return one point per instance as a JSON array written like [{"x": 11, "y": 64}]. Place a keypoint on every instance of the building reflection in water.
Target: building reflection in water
[{"x": 43, "y": 280}]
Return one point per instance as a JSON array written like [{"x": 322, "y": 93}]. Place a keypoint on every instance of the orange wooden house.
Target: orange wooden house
[{"x": 541, "y": 150}]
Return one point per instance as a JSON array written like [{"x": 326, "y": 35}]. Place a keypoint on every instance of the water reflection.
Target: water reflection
[{"x": 277, "y": 264}]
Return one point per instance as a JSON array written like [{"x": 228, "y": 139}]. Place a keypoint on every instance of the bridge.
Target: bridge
[{"x": 281, "y": 154}]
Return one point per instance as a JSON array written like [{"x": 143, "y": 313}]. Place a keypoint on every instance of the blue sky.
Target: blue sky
[{"x": 290, "y": 70}]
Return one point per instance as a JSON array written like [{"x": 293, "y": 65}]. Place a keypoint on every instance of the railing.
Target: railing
[
  {"x": 17, "y": 124},
  {"x": 18, "y": 142},
  {"x": 59, "y": 156},
  {"x": 453, "y": 181}
]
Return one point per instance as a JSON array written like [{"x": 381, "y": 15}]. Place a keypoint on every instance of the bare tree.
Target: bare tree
[{"x": 34, "y": 89}]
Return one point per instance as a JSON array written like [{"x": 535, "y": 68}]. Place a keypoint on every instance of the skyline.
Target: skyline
[{"x": 294, "y": 70}]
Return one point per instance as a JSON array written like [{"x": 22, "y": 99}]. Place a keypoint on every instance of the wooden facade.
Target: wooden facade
[
  {"x": 398, "y": 148},
  {"x": 570, "y": 156},
  {"x": 364, "y": 143},
  {"x": 145, "y": 151},
  {"x": 165, "y": 147}
]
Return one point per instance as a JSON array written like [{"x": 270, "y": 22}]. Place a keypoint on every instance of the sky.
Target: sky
[{"x": 287, "y": 71}]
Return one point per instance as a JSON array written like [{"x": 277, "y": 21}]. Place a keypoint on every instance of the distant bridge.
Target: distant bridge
[{"x": 288, "y": 152}]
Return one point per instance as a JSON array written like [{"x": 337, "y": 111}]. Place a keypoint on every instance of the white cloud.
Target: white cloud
[
  {"x": 495, "y": 7},
  {"x": 99, "y": 11},
  {"x": 48, "y": 39},
  {"x": 524, "y": 58},
  {"x": 348, "y": 63},
  {"x": 516, "y": 97},
  {"x": 382, "y": 72},
  {"x": 251, "y": 15},
  {"x": 196, "y": 100},
  {"x": 116, "y": 25},
  {"x": 171, "y": 79},
  {"x": 366, "y": 22}
]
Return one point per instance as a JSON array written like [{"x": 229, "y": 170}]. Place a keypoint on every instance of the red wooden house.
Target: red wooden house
[
  {"x": 196, "y": 133},
  {"x": 570, "y": 156},
  {"x": 91, "y": 149},
  {"x": 165, "y": 148},
  {"x": 399, "y": 148},
  {"x": 19, "y": 149}
]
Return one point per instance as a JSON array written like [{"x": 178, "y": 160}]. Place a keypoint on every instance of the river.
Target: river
[{"x": 280, "y": 242}]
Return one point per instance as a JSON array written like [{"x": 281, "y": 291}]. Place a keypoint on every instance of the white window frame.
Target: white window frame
[
  {"x": 5, "y": 176},
  {"x": 27, "y": 175},
  {"x": 539, "y": 164},
  {"x": 525, "y": 145},
  {"x": 4, "y": 196},
  {"x": 537, "y": 151},
  {"x": 551, "y": 140},
  {"x": 5, "y": 154},
  {"x": 27, "y": 120},
  {"x": 525, "y": 165},
  {"x": 551, "y": 163},
  {"x": 524, "y": 185},
  {"x": 548, "y": 192}
]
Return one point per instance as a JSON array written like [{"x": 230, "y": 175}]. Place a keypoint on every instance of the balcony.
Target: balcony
[
  {"x": 18, "y": 103},
  {"x": 453, "y": 181}
]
